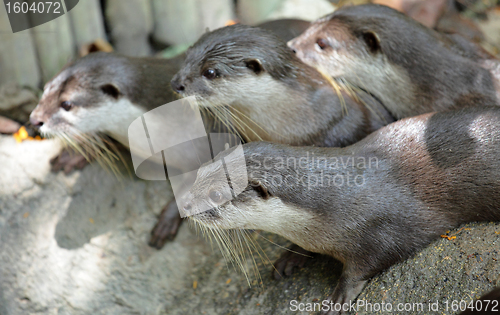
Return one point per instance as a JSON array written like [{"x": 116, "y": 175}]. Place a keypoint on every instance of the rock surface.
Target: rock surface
[
  {"x": 76, "y": 244},
  {"x": 17, "y": 102}
]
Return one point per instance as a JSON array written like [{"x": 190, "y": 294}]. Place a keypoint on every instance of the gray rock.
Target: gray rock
[{"x": 17, "y": 102}]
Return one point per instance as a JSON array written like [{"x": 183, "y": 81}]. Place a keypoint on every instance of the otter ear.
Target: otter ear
[
  {"x": 372, "y": 41},
  {"x": 260, "y": 189},
  {"x": 255, "y": 65},
  {"x": 111, "y": 90}
]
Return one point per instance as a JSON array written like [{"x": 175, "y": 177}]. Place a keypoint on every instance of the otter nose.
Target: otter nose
[
  {"x": 35, "y": 122},
  {"x": 177, "y": 85},
  {"x": 187, "y": 207}
]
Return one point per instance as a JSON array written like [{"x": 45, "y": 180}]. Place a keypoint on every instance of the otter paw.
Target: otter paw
[
  {"x": 68, "y": 161},
  {"x": 167, "y": 226},
  {"x": 296, "y": 258}
]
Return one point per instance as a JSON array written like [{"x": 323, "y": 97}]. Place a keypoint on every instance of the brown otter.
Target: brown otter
[
  {"x": 103, "y": 93},
  {"x": 369, "y": 205},
  {"x": 410, "y": 68},
  {"x": 250, "y": 75},
  {"x": 106, "y": 92}
]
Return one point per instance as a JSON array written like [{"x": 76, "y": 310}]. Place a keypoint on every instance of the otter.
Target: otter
[
  {"x": 411, "y": 69},
  {"x": 250, "y": 75},
  {"x": 369, "y": 205},
  {"x": 106, "y": 92},
  {"x": 103, "y": 93}
]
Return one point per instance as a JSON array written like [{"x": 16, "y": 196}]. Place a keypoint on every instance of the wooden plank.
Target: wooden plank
[
  {"x": 256, "y": 11},
  {"x": 54, "y": 45},
  {"x": 183, "y": 22},
  {"x": 18, "y": 61},
  {"x": 130, "y": 23},
  {"x": 87, "y": 22}
]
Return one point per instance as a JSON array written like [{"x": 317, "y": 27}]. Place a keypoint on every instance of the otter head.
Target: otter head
[
  {"x": 380, "y": 50},
  {"x": 86, "y": 96},
  {"x": 233, "y": 65},
  {"x": 240, "y": 200},
  {"x": 334, "y": 46}
]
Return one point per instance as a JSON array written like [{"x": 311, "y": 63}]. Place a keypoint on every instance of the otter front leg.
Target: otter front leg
[
  {"x": 167, "y": 226},
  {"x": 294, "y": 258},
  {"x": 347, "y": 290},
  {"x": 68, "y": 160}
]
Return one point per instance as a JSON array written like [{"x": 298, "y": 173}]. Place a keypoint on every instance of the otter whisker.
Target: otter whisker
[
  {"x": 93, "y": 146},
  {"x": 336, "y": 87},
  {"x": 243, "y": 125},
  {"x": 221, "y": 117}
]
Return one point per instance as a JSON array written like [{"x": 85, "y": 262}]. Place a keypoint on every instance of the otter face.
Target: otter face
[
  {"x": 212, "y": 200},
  {"x": 86, "y": 97},
  {"x": 70, "y": 104},
  {"x": 330, "y": 46},
  {"x": 209, "y": 200},
  {"x": 251, "y": 209},
  {"x": 233, "y": 65},
  {"x": 216, "y": 81}
]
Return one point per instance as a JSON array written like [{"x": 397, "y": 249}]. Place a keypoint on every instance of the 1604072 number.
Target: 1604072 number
[{"x": 40, "y": 7}]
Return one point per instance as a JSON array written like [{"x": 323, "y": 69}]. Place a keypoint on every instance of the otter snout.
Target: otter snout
[
  {"x": 177, "y": 84},
  {"x": 36, "y": 119}
]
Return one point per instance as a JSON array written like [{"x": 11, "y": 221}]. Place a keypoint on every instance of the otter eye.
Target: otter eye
[
  {"x": 67, "y": 106},
  {"x": 210, "y": 74},
  {"x": 322, "y": 43},
  {"x": 215, "y": 196}
]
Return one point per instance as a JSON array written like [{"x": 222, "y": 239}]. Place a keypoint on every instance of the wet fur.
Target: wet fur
[
  {"x": 434, "y": 172},
  {"x": 410, "y": 68},
  {"x": 270, "y": 93},
  {"x": 107, "y": 92}
]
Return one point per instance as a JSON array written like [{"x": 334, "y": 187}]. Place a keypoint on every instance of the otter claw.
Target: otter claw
[
  {"x": 167, "y": 226},
  {"x": 291, "y": 260},
  {"x": 68, "y": 161}
]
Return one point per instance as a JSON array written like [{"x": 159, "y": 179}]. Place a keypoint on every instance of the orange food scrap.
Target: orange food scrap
[
  {"x": 230, "y": 22},
  {"x": 25, "y": 215},
  {"x": 91, "y": 220},
  {"x": 22, "y": 134},
  {"x": 449, "y": 237},
  {"x": 228, "y": 281},
  {"x": 452, "y": 237},
  {"x": 195, "y": 284}
]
